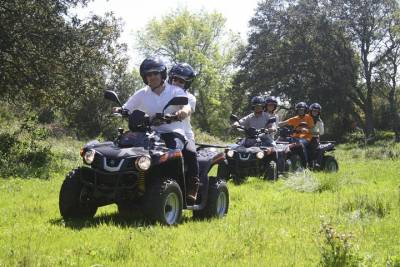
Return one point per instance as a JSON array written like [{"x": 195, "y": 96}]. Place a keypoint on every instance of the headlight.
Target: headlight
[
  {"x": 230, "y": 153},
  {"x": 88, "y": 157},
  {"x": 260, "y": 155},
  {"x": 143, "y": 163}
]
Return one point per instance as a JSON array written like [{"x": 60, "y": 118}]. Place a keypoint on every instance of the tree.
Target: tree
[
  {"x": 53, "y": 62},
  {"x": 388, "y": 76},
  {"x": 296, "y": 52},
  {"x": 200, "y": 40},
  {"x": 367, "y": 22}
]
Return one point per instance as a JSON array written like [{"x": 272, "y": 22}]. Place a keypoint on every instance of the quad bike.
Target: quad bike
[
  {"x": 318, "y": 153},
  {"x": 141, "y": 175},
  {"x": 251, "y": 157}
]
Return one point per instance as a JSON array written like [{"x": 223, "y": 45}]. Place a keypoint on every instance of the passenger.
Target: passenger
[{"x": 182, "y": 75}]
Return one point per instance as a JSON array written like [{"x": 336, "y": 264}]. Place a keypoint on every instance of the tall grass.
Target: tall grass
[{"x": 268, "y": 224}]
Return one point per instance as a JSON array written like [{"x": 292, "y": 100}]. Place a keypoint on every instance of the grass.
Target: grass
[{"x": 268, "y": 224}]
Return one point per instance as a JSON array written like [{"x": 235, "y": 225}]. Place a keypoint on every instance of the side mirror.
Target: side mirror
[
  {"x": 177, "y": 101},
  {"x": 111, "y": 95},
  {"x": 233, "y": 117}
]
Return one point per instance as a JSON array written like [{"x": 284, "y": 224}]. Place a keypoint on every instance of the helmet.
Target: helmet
[
  {"x": 271, "y": 100},
  {"x": 152, "y": 65},
  {"x": 301, "y": 105},
  {"x": 257, "y": 100},
  {"x": 315, "y": 106},
  {"x": 183, "y": 71}
]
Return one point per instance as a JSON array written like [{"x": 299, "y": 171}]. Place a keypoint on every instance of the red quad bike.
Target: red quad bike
[
  {"x": 250, "y": 157},
  {"x": 319, "y": 153},
  {"x": 141, "y": 175}
]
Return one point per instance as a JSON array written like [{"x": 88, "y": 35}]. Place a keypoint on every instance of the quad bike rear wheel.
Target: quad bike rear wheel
[
  {"x": 329, "y": 164},
  {"x": 271, "y": 173},
  {"x": 73, "y": 199},
  {"x": 217, "y": 201},
  {"x": 163, "y": 202}
]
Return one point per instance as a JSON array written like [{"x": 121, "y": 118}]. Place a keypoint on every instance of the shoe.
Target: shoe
[{"x": 192, "y": 189}]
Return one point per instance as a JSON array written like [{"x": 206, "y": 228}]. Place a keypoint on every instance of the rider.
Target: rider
[
  {"x": 302, "y": 124},
  {"x": 317, "y": 131},
  {"x": 258, "y": 119},
  {"x": 152, "y": 98},
  {"x": 182, "y": 75}
]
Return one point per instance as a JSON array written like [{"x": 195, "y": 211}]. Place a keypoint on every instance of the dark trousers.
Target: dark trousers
[{"x": 178, "y": 141}]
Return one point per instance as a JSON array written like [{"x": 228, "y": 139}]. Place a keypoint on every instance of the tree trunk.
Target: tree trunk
[{"x": 369, "y": 109}]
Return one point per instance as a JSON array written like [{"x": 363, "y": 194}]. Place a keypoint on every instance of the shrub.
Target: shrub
[
  {"x": 365, "y": 205},
  {"x": 336, "y": 248},
  {"x": 23, "y": 151}
]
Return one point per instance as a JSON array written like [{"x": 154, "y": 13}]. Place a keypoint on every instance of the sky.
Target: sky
[{"x": 135, "y": 14}]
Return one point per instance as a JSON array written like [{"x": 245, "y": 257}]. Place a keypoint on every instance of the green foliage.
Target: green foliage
[
  {"x": 50, "y": 58},
  {"x": 337, "y": 249},
  {"x": 24, "y": 152},
  {"x": 296, "y": 52},
  {"x": 200, "y": 40},
  {"x": 364, "y": 205}
]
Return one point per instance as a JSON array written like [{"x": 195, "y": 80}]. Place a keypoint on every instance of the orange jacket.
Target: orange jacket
[{"x": 296, "y": 123}]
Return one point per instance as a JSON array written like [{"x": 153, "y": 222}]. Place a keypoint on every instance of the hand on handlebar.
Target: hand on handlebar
[
  {"x": 235, "y": 124},
  {"x": 120, "y": 110}
]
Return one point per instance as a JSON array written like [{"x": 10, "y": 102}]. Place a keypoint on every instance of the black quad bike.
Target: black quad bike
[
  {"x": 250, "y": 157},
  {"x": 319, "y": 153},
  {"x": 141, "y": 175}
]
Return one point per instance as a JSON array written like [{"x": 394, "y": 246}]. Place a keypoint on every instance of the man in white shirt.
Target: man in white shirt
[
  {"x": 152, "y": 99},
  {"x": 182, "y": 75}
]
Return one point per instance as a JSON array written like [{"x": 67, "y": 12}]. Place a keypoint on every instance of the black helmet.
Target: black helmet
[
  {"x": 152, "y": 65},
  {"x": 257, "y": 100},
  {"x": 315, "y": 106},
  {"x": 301, "y": 105},
  {"x": 183, "y": 71},
  {"x": 271, "y": 100}
]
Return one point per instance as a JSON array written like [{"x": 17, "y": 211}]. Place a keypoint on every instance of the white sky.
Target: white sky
[{"x": 136, "y": 14}]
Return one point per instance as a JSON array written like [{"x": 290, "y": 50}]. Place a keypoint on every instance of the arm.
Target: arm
[
  {"x": 321, "y": 127},
  {"x": 283, "y": 123}
]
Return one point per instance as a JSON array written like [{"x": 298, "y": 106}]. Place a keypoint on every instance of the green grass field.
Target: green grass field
[{"x": 308, "y": 219}]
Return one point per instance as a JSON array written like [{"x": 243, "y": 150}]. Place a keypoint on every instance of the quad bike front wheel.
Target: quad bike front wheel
[
  {"x": 217, "y": 202},
  {"x": 329, "y": 164},
  {"x": 163, "y": 202},
  {"x": 73, "y": 200}
]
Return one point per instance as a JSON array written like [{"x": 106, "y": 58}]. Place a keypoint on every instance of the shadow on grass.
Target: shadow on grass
[{"x": 113, "y": 219}]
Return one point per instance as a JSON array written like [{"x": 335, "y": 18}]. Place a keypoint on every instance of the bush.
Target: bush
[
  {"x": 337, "y": 249},
  {"x": 23, "y": 151}
]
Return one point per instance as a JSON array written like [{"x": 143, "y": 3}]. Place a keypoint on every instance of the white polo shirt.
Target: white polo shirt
[
  {"x": 151, "y": 103},
  {"x": 186, "y": 122}
]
